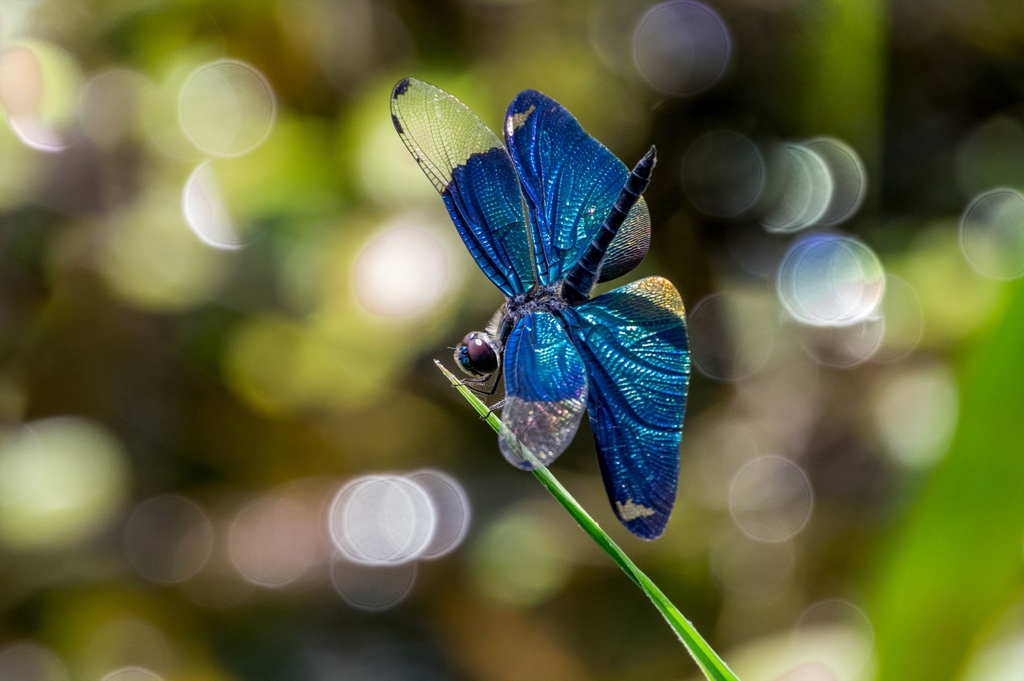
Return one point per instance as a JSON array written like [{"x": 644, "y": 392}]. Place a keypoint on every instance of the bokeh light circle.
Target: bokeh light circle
[
  {"x": 809, "y": 671},
  {"x": 205, "y": 212},
  {"x": 770, "y": 499},
  {"x": 849, "y": 178},
  {"x": 21, "y": 84},
  {"x": 110, "y": 108},
  {"x": 381, "y": 520},
  {"x": 1000, "y": 659},
  {"x": 37, "y": 134},
  {"x": 272, "y": 541},
  {"x": 992, "y": 234},
  {"x": 451, "y": 509},
  {"x": 133, "y": 674},
  {"x": 127, "y": 642},
  {"x": 30, "y": 662},
  {"x": 726, "y": 343},
  {"x": 717, "y": 448},
  {"x": 61, "y": 481},
  {"x": 403, "y": 269},
  {"x": 991, "y": 155},
  {"x": 752, "y": 571},
  {"x": 804, "y": 192},
  {"x": 226, "y": 108},
  {"x": 372, "y": 587},
  {"x": 830, "y": 280},
  {"x": 915, "y": 413},
  {"x": 520, "y": 559},
  {"x": 681, "y": 47},
  {"x": 847, "y": 346},
  {"x": 904, "y": 320},
  {"x": 849, "y": 623},
  {"x": 39, "y": 87},
  {"x": 168, "y": 539},
  {"x": 723, "y": 173},
  {"x": 150, "y": 258}
]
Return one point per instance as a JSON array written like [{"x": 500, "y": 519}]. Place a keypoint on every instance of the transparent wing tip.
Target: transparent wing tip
[{"x": 538, "y": 432}]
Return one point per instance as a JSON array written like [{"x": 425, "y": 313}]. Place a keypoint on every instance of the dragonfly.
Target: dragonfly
[{"x": 547, "y": 214}]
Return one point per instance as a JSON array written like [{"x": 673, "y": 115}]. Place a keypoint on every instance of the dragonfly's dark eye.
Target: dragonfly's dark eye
[{"x": 476, "y": 355}]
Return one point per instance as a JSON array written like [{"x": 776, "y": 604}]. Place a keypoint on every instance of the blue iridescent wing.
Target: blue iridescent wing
[
  {"x": 570, "y": 179},
  {"x": 545, "y": 387},
  {"x": 634, "y": 344},
  {"x": 471, "y": 169}
]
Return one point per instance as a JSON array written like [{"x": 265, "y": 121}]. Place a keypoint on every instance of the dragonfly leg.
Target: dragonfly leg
[
  {"x": 496, "y": 377},
  {"x": 492, "y": 408},
  {"x": 471, "y": 383}
]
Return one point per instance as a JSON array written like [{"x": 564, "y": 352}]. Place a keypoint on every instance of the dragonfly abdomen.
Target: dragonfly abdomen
[{"x": 584, "y": 273}]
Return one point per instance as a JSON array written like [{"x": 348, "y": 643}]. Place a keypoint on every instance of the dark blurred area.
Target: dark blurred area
[{"x": 226, "y": 453}]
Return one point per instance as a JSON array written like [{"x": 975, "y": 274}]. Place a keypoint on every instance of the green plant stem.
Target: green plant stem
[{"x": 707, "y": 659}]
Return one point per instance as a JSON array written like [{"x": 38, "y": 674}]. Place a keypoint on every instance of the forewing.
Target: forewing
[
  {"x": 570, "y": 180},
  {"x": 630, "y": 245},
  {"x": 634, "y": 344},
  {"x": 546, "y": 390},
  {"x": 472, "y": 171}
]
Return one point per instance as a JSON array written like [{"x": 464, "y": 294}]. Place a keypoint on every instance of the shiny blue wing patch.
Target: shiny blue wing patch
[
  {"x": 471, "y": 169},
  {"x": 546, "y": 390},
  {"x": 570, "y": 180},
  {"x": 633, "y": 341}
]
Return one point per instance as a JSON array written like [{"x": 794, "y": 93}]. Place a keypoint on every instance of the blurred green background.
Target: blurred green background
[{"x": 223, "y": 283}]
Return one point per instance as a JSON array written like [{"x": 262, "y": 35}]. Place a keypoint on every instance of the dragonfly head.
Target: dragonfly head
[{"x": 476, "y": 354}]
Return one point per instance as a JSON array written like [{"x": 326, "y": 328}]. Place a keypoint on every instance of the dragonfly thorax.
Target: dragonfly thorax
[
  {"x": 537, "y": 299},
  {"x": 480, "y": 352}
]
